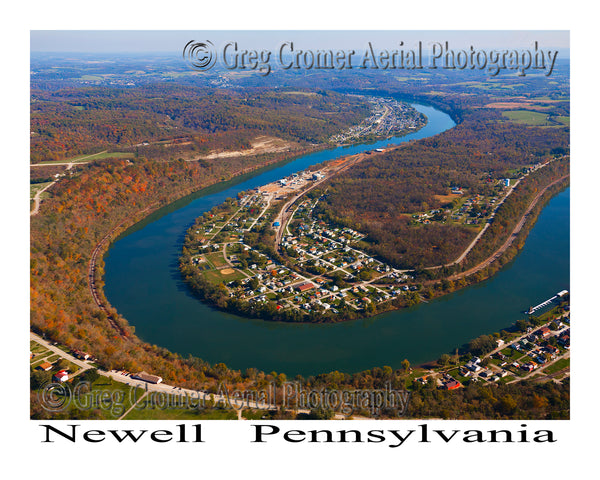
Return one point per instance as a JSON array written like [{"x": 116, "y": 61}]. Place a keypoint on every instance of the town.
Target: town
[
  {"x": 388, "y": 117},
  {"x": 316, "y": 269},
  {"x": 540, "y": 352}
]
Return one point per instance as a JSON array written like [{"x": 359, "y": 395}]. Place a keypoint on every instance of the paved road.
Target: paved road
[
  {"x": 286, "y": 212},
  {"x": 82, "y": 364}
]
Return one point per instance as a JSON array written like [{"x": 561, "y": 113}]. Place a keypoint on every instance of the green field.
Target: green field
[
  {"x": 558, "y": 365},
  {"x": 103, "y": 155},
  {"x": 216, "y": 259},
  {"x": 215, "y": 276},
  {"x": 89, "y": 158},
  {"x": 527, "y": 117}
]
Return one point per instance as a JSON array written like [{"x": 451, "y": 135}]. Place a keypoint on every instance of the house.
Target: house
[
  {"x": 529, "y": 366},
  {"x": 81, "y": 355},
  {"x": 551, "y": 349},
  {"x": 473, "y": 367},
  {"x": 61, "y": 376},
  {"x": 544, "y": 332},
  {"x": 45, "y": 366},
  {"x": 473, "y": 364},
  {"x": 452, "y": 385},
  {"x": 146, "y": 377}
]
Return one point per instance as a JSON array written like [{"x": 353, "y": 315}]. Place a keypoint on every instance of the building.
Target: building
[
  {"x": 543, "y": 332},
  {"x": 452, "y": 385},
  {"x": 81, "y": 355},
  {"x": 45, "y": 366},
  {"x": 61, "y": 376},
  {"x": 146, "y": 377},
  {"x": 305, "y": 286}
]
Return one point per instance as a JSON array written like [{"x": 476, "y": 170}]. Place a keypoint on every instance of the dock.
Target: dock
[{"x": 560, "y": 294}]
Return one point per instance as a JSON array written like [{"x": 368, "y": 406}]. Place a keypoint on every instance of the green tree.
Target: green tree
[{"x": 405, "y": 365}]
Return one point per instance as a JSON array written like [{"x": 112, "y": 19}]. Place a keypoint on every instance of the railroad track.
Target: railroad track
[{"x": 510, "y": 238}]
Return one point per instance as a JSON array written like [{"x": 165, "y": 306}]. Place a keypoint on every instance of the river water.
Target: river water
[{"x": 143, "y": 283}]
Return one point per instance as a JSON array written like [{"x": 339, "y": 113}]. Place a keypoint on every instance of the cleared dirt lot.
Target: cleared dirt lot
[{"x": 262, "y": 144}]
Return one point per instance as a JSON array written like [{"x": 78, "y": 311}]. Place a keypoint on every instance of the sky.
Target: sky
[{"x": 134, "y": 41}]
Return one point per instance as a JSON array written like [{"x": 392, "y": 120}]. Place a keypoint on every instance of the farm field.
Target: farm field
[{"x": 528, "y": 117}]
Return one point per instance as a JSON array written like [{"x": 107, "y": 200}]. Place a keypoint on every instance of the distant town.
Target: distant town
[{"x": 388, "y": 117}]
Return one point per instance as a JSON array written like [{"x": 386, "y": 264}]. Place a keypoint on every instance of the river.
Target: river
[{"x": 143, "y": 283}]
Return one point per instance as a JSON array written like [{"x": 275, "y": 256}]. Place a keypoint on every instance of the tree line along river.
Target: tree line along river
[{"x": 144, "y": 284}]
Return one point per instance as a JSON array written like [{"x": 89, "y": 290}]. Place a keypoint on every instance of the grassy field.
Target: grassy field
[
  {"x": 215, "y": 276},
  {"x": 110, "y": 399},
  {"x": 89, "y": 158},
  {"x": 36, "y": 187},
  {"x": 527, "y": 117},
  {"x": 558, "y": 366},
  {"x": 216, "y": 259},
  {"x": 37, "y": 348},
  {"x": 102, "y": 156}
]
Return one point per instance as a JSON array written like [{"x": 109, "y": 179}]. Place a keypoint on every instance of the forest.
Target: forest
[{"x": 70, "y": 122}]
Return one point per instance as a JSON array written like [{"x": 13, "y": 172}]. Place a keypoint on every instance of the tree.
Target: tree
[
  {"x": 62, "y": 364},
  {"x": 444, "y": 359},
  {"x": 38, "y": 378},
  {"x": 90, "y": 375},
  {"x": 405, "y": 365},
  {"x": 522, "y": 325},
  {"x": 482, "y": 344},
  {"x": 507, "y": 404},
  {"x": 321, "y": 413}
]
